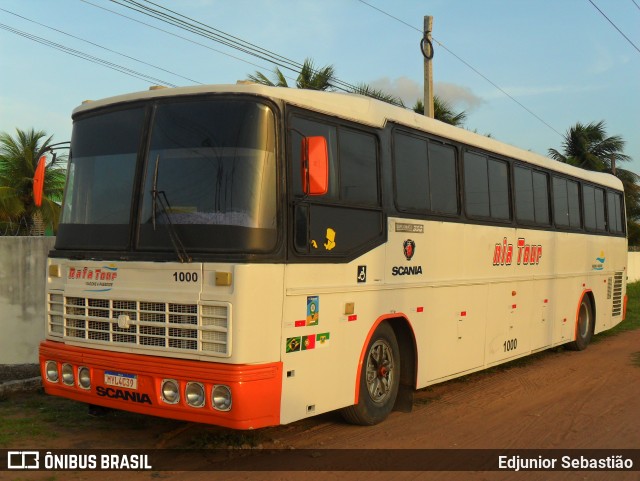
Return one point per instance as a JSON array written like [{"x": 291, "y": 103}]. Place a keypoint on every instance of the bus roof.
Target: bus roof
[{"x": 368, "y": 111}]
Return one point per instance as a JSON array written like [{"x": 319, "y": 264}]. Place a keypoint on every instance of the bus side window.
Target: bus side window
[
  {"x": 566, "y": 203},
  {"x": 614, "y": 211},
  {"x": 532, "y": 195},
  {"x": 486, "y": 186}
]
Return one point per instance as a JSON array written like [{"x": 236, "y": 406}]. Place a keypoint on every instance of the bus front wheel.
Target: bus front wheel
[
  {"x": 379, "y": 379},
  {"x": 584, "y": 325}
]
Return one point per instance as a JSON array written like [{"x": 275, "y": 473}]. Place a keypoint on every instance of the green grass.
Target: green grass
[{"x": 37, "y": 415}]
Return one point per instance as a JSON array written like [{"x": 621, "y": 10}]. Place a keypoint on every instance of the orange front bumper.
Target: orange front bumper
[{"x": 255, "y": 389}]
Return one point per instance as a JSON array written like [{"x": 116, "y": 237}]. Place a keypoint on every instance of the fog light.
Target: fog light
[
  {"x": 67, "y": 374},
  {"x": 221, "y": 397},
  {"x": 51, "y": 371},
  {"x": 194, "y": 393},
  {"x": 84, "y": 377},
  {"x": 170, "y": 391}
]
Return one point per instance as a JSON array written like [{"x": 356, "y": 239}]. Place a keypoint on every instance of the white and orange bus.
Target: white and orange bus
[{"x": 249, "y": 256}]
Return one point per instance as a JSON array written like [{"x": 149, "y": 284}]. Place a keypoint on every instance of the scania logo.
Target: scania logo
[
  {"x": 124, "y": 395},
  {"x": 409, "y": 248},
  {"x": 123, "y": 321}
]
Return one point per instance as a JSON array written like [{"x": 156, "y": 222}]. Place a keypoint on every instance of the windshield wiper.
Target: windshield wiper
[{"x": 160, "y": 200}]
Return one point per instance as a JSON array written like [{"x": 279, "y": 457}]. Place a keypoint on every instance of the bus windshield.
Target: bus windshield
[{"x": 208, "y": 174}]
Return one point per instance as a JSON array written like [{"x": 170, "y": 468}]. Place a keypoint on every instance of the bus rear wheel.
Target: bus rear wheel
[
  {"x": 379, "y": 379},
  {"x": 584, "y": 325}
]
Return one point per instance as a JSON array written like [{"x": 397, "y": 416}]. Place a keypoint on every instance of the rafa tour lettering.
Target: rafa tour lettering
[
  {"x": 526, "y": 254},
  {"x": 92, "y": 274}
]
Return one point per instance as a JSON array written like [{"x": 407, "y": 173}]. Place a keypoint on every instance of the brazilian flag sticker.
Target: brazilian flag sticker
[
  {"x": 322, "y": 339},
  {"x": 293, "y": 344}
]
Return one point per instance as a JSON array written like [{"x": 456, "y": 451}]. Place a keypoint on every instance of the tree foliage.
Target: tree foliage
[
  {"x": 314, "y": 78},
  {"x": 589, "y": 147},
  {"x": 19, "y": 157},
  {"x": 442, "y": 111},
  {"x": 310, "y": 77}
]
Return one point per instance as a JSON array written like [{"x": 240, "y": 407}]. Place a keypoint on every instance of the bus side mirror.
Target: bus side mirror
[{"x": 315, "y": 165}]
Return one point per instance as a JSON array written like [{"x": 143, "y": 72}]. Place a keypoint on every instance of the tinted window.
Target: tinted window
[
  {"x": 499, "y": 189},
  {"x": 566, "y": 203},
  {"x": 614, "y": 208},
  {"x": 412, "y": 173},
  {"x": 588, "y": 203},
  {"x": 541, "y": 197},
  {"x": 442, "y": 178},
  {"x": 593, "y": 202},
  {"x": 573, "y": 198},
  {"x": 523, "y": 185},
  {"x": 599, "y": 197},
  {"x": 425, "y": 175},
  {"x": 486, "y": 187},
  {"x": 358, "y": 167},
  {"x": 97, "y": 203},
  {"x": 211, "y": 172},
  {"x": 310, "y": 128},
  {"x": 353, "y": 161},
  {"x": 476, "y": 187}
]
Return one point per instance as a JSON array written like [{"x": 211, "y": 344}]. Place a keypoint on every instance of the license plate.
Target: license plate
[{"x": 119, "y": 379}]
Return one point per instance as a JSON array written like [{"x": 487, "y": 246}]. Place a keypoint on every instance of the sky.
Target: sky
[{"x": 560, "y": 61}]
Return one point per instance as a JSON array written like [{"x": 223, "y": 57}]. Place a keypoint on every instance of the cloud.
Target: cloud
[
  {"x": 409, "y": 91},
  {"x": 403, "y": 87},
  {"x": 457, "y": 95}
]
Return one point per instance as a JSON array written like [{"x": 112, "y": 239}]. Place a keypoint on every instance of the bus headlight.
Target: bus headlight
[
  {"x": 51, "y": 371},
  {"x": 67, "y": 374},
  {"x": 221, "y": 397},
  {"x": 194, "y": 394},
  {"x": 170, "y": 391},
  {"x": 84, "y": 377}
]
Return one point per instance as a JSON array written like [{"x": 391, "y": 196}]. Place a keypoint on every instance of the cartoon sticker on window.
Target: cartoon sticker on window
[
  {"x": 313, "y": 310},
  {"x": 331, "y": 239}
]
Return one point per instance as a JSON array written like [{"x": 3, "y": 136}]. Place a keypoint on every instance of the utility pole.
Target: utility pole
[
  {"x": 613, "y": 164},
  {"x": 427, "y": 51}
]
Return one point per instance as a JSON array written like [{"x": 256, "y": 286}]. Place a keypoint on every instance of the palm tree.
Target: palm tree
[
  {"x": 588, "y": 147},
  {"x": 19, "y": 157},
  {"x": 309, "y": 77},
  {"x": 368, "y": 91},
  {"x": 442, "y": 111}
]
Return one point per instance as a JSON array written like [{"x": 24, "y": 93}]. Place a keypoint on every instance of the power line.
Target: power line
[
  {"x": 174, "y": 34},
  {"x": 99, "y": 46},
  {"x": 467, "y": 64},
  {"x": 615, "y": 26},
  {"x": 634, "y": 2},
  {"x": 219, "y": 36},
  {"x": 87, "y": 57}
]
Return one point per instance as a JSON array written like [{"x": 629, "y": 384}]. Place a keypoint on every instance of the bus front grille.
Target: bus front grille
[{"x": 200, "y": 327}]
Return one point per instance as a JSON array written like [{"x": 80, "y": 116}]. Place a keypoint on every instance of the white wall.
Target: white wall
[
  {"x": 23, "y": 262},
  {"x": 633, "y": 266}
]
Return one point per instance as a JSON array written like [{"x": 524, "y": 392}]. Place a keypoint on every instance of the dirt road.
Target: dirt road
[{"x": 560, "y": 400}]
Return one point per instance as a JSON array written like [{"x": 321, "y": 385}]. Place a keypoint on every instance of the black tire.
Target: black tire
[
  {"x": 379, "y": 379},
  {"x": 584, "y": 326}
]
